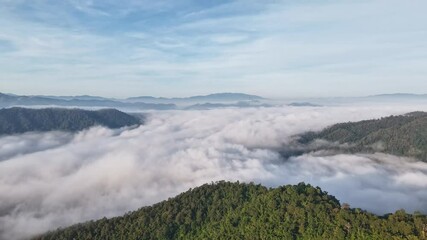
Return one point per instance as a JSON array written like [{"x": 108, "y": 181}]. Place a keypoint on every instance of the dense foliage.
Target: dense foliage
[
  {"x": 20, "y": 120},
  {"x": 404, "y": 135},
  {"x": 227, "y": 210}
]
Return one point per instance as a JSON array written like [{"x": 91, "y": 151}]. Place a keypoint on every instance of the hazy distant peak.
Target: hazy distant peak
[
  {"x": 399, "y": 95},
  {"x": 226, "y": 97},
  {"x": 303, "y": 104},
  {"x": 145, "y": 97},
  {"x": 77, "y": 101},
  {"x": 213, "y": 96}
]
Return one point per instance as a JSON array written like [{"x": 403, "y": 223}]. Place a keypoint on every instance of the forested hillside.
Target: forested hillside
[
  {"x": 404, "y": 135},
  {"x": 20, "y": 120},
  {"x": 227, "y": 210}
]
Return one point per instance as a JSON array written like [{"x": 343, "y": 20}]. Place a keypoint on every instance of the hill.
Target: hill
[
  {"x": 404, "y": 135},
  {"x": 20, "y": 120},
  {"x": 246, "y": 211}
]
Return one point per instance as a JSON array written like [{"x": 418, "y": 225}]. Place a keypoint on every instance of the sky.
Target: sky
[{"x": 179, "y": 48}]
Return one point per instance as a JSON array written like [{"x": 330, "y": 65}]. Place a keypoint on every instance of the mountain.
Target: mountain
[
  {"x": 240, "y": 104},
  {"x": 139, "y": 103},
  {"x": 404, "y": 135},
  {"x": 399, "y": 96},
  {"x": 147, "y": 98},
  {"x": 80, "y": 97},
  {"x": 20, "y": 120},
  {"x": 303, "y": 104},
  {"x": 216, "y": 97},
  {"x": 7, "y": 100},
  {"x": 226, "y": 97},
  {"x": 227, "y": 210}
]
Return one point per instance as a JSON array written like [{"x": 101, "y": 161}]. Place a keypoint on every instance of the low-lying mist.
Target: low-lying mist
[{"x": 54, "y": 179}]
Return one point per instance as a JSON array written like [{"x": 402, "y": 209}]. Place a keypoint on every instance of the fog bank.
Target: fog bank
[{"x": 56, "y": 179}]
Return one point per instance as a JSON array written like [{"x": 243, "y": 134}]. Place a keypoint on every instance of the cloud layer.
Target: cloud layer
[{"x": 55, "y": 179}]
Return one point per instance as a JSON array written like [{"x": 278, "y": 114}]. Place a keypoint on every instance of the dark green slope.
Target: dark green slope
[
  {"x": 404, "y": 135},
  {"x": 246, "y": 211},
  {"x": 20, "y": 120}
]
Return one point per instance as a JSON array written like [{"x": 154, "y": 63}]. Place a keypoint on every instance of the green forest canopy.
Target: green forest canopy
[
  {"x": 404, "y": 135},
  {"x": 227, "y": 210},
  {"x": 19, "y": 120}
]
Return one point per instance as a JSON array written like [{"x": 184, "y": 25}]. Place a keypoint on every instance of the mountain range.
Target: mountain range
[
  {"x": 7, "y": 100},
  {"x": 216, "y": 97},
  {"x": 211, "y": 101},
  {"x": 135, "y": 103}
]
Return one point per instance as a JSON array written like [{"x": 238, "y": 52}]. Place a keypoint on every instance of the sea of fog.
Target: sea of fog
[{"x": 54, "y": 179}]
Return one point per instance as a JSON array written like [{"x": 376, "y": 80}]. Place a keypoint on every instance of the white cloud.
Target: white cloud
[
  {"x": 102, "y": 172},
  {"x": 31, "y": 142}
]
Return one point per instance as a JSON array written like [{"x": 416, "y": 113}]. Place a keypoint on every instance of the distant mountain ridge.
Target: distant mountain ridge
[
  {"x": 399, "y": 95},
  {"x": 219, "y": 97},
  {"x": 79, "y": 97},
  {"x": 228, "y": 96},
  {"x": 240, "y": 104},
  {"x": 21, "y": 120},
  {"x": 303, "y": 104},
  {"x": 87, "y": 101},
  {"x": 200, "y": 102},
  {"x": 142, "y": 103}
]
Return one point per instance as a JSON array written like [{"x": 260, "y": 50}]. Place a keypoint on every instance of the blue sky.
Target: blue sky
[{"x": 186, "y": 47}]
